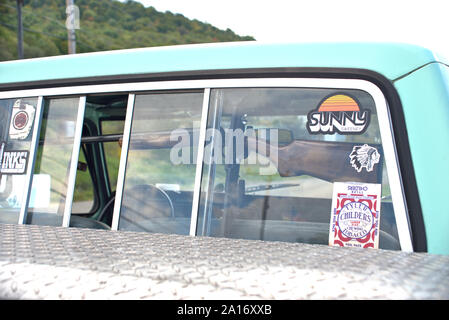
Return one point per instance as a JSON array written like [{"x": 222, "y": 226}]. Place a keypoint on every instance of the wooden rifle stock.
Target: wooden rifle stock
[{"x": 325, "y": 160}]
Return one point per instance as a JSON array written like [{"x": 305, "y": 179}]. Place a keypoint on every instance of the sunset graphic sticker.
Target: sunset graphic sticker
[
  {"x": 339, "y": 102},
  {"x": 338, "y": 113}
]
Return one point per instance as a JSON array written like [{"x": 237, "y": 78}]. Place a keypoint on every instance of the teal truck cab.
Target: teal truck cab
[{"x": 324, "y": 144}]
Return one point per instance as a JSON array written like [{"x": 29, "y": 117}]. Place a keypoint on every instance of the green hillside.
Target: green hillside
[{"x": 104, "y": 25}]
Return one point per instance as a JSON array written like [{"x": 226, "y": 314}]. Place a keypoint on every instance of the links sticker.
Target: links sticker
[
  {"x": 12, "y": 161},
  {"x": 355, "y": 215}
]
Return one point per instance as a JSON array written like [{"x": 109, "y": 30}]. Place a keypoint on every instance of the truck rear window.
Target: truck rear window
[
  {"x": 294, "y": 145},
  {"x": 277, "y": 159}
]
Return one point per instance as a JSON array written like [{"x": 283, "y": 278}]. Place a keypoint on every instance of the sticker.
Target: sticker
[
  {"x": 12, "y": 162},
  {"x": 364, "y": 157},
  {"x": 21, "y": 120},
  {"x": 338, "y": 113},
  {"x": 355, "y": 215}
]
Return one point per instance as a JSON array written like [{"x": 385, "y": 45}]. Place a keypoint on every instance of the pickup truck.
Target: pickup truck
[{"x": 226, "y": 171}]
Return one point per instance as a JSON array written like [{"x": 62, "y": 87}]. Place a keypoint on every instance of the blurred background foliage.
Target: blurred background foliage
[{"x": 104, "y": 25}]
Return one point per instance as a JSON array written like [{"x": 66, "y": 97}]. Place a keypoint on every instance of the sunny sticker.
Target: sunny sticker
[{"x": 338, "y": 113}]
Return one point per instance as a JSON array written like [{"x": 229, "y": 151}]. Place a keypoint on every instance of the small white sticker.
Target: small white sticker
[
  {"x": 22, "y": 118},
  {"x": 355, "y": 215},
  {"x": 364, "y": 157}
]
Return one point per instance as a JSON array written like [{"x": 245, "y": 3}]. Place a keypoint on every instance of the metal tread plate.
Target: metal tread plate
[{"x": 40, "y": 262}]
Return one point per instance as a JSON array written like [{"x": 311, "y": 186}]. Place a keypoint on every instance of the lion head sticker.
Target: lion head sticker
[{"x": 364, "y": 157}]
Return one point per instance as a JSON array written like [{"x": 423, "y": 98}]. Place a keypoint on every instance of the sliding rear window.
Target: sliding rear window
[
  {"x": 277, "y": 154},
  {"x": 158, "y": 190}
]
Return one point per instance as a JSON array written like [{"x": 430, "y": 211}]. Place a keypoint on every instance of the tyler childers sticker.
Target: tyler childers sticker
[
  {"x": 364, "y": 157},
  {"x": 338, "y": 113},
  {"x": 22, "y": 118},
  {"x": 12, "y": 162},
  {"x": 355, "y": 215}
]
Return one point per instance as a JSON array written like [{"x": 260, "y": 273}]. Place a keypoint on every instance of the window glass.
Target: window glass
[
  {"x": 84, "y": 194},
  {"x": 112, "y": 149},
  {"x": 160, "y": 172},
  {"x": 16, "y": 126},
  {"x": 273, "y": 156},
  {"x": 53, "y": 159}
]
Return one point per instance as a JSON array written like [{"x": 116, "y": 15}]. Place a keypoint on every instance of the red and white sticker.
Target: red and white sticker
[
  {"x": 355, "y": 215},
  {"x": 22, "y": 118}
]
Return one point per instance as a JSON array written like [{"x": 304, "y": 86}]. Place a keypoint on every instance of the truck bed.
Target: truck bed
[{"x": 40, "y": 262}]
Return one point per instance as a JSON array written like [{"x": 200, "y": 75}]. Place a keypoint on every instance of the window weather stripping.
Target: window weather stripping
[
  {"x": 74, "y": 162},
  {"x": 199, "y": 163},
  {"x": 123, "y": 162}
]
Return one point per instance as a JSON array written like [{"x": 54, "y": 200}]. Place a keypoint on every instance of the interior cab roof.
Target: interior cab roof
[{"x": 392, "y": 60}]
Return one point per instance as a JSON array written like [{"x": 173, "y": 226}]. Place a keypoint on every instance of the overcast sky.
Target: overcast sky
[{"x": 425, "y": 22}]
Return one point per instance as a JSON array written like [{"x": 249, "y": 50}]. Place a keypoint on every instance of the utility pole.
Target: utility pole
[
  {"x": 19, "y": 29},
  {"x": 71, "y": 25}
]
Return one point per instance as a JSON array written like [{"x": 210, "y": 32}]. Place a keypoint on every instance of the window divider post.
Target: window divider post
[
  {"x": 123, "y": 162},
  {"x": 31, "y": 160}
]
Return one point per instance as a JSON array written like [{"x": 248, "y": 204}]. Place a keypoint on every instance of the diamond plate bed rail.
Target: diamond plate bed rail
[{"x": 38, "y": 262}]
